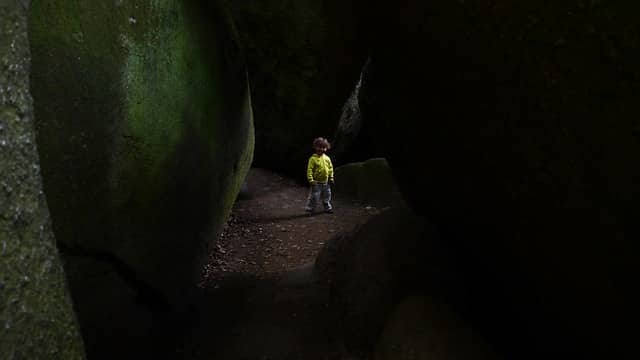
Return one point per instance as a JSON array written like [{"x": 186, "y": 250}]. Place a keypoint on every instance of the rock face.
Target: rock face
[
  {"x": 349, "y": 126},
  {"x": 372, "y": 269},
  {"x": 370, "y": 181},
  {"x": 528, "y": 161},
  {"x": 304, "y": 60},
  {"x": 144, "y": 128},
  {"x": 35, "y": 307},
  {"x": 356, "y": 140}
]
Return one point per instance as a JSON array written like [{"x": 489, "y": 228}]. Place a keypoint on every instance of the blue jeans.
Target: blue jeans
[{"x": 317, "y": 191}]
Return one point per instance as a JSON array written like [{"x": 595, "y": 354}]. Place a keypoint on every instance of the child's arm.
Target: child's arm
[
  {"x": 310, "y": 171},
  {"x": 330, "y": 170}
]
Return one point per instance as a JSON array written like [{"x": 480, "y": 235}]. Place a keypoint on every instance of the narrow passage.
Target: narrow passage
[{"x": 262, "y": 298}]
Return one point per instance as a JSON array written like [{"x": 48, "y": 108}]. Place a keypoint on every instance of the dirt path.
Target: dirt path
[
  {"x": 269, "y": 233},
  {"x": 262, "y": 296}
]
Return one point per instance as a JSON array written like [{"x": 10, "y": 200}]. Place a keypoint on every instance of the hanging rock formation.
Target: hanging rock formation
[
  {"x": 144, "y": 128},
  {"x": 528, "y": 161},
  {"x": 349, "y": 126},
  {"x": 36, "y": 316},
  {"x": 354, "y": 139}
]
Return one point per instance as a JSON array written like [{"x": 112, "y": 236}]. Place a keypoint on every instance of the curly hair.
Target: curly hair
[{"x": 321, "y": 142}]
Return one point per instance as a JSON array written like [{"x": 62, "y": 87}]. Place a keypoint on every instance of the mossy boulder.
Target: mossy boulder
[
  {"x": 36, "y": 314},
  {"x": 528, "y": 160},
  {"x": 370, "y": 181},
  {"x": 144, "y": 127}
]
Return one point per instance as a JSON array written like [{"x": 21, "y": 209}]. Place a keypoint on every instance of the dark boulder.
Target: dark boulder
[
  {"x": 527, "y": 160},
  {"x": 370, "y": 270},
  {"x": 370, "y": 181}
]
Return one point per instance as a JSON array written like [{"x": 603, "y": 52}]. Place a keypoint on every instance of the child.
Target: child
[{"x": 319, "y": 174}]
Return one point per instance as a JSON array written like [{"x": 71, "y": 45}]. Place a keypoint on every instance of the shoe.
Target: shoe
[{"x": 330, "y": 211}]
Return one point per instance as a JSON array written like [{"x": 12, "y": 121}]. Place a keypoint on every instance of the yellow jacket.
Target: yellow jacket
[{"x": 319, "y": 169}]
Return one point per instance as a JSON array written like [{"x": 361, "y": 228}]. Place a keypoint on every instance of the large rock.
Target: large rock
[
  {"x": 35, "y": 307},
  {"x": 304, "y": 58},
  {"x": 144, "y": 127},
  {"x": 370, "y": 270},
  {"x": 529, "y": 158},
  {"x": 369, "y": 181}
]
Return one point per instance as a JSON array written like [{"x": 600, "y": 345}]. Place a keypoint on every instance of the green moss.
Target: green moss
[
  {"x": 169, "y": 82},
  {"x": 165, "y": 78}
]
